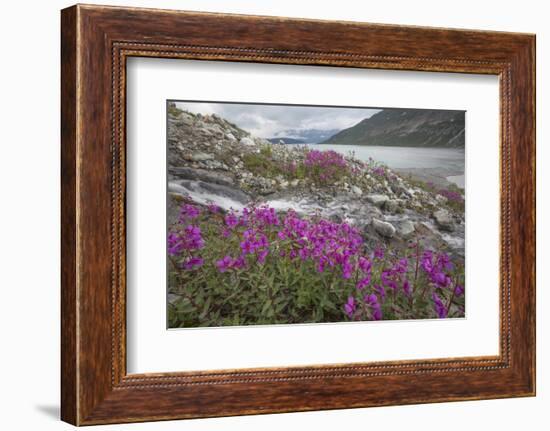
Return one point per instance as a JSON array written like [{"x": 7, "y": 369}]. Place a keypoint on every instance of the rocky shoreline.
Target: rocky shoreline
[{"x": 211, "y": 160}]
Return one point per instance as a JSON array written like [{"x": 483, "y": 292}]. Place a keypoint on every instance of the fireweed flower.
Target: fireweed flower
[
  {"x": 372, "y": 302},
  {"x": 364, "y": 282},
  {"x": 193, "y": 238},
  {"x": 436, "y": 267},
  {"x": 189, "y": 212},
  {"x": 224, "y": 264},
  {"x": 439, "y": 307},
  {"x": 189, "y": 238},
  {"x": 192, "y": 263},
  {"x": 381, "y": 291},
  {"x": 347, "y": 270},
  {"x": 262, "y": 255},
  {"x": 231, "y": 220},
  {"x": 334, "y": 251},
  {"x": 407, "y": 288},
  {"x": 175, "y": 244},
  {"x": 213, "y": 208},
  {"x": 451, "y": 195},
  {"x": 365, "y": 265},
  {"x": 239, "y": 263},
  {"x": 393, "y": 277},
  {"x": 325, "y": 165},
  {"x": 379, "y": 170},
  {"x": 350, "y": 306},
  {"x": 378, "y": 253}
]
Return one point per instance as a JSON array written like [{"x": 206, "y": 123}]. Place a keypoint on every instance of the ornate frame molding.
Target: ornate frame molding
[{"x": 96, "y": 41}]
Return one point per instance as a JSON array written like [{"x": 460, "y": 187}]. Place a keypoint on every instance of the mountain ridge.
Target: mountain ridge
[{"x": 406, "y": 128}]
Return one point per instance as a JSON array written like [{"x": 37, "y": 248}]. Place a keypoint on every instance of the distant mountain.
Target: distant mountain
[
  {"x": 304, "y": 136},
  {"x": 406, "y": 128},
  {"x": 285, "y": 140}
]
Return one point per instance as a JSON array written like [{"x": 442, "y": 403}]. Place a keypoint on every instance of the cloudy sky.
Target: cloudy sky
[{"x": 268, "y": 121}]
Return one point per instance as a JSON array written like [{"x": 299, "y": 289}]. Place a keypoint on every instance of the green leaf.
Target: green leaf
[
  {"x": 206, "y": 308},
  {"x": 266, "y": 307}
]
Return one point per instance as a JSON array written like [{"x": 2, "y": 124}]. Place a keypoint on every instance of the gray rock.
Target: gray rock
[
  {"x": 377, "y": 200},
  {"x": 283, "y": 184},
  {"x": 200, "y": 157},
  {"x": 247, "y": 141},
  {"x": 391, "y": 205},
  {"x": 186, "y": 173},
  {"x": 295, "y": 182},
  {"x": 383, "y": 228},
  {"x": 443, "y": 220},
  {"x": 173, "y": 208},
  {"x": 230, "y": 136},
  {"x": 441, "y": 199},
  {"x": 216, "y": 164},
  {"x": 356, "y": 190},
  {"x": 213, "y": 129},
  {"x": 406, "y": 228}
]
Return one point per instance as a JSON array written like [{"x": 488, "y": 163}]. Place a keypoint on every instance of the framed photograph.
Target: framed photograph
[{"x": 263, "y": 214}]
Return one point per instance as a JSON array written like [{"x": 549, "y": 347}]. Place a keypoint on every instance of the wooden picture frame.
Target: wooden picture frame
[{"x": 96, "y": 41}]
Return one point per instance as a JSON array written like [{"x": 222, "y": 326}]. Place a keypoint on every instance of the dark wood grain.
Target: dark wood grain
[
  {"x": 96, "y": 41},
  {"x": 69, "y": 397}
]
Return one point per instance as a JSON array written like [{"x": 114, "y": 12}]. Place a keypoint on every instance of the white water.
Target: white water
[{"x": 206, "y": 198}]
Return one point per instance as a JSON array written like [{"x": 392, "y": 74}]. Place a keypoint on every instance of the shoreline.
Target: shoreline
[{"x": 438, "y": 176}]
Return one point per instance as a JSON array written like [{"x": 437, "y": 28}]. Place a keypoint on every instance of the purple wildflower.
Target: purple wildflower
[
  {"x": 189, "y": 212},
  {"x": 379, "y": 253},
  {"x": 436, "y": 266},
  {"x": 350, "y": 306},
  {"x": 381, "y": 291},
  {"x": 224, "y": 264},
  {"x": 439, "y": 307},
  {"x": 372, "y": 302},
  {"x": 213, "y": 208},
  {"x": 231, "y": 220},
  {"x": 407, "y": 288},
  {"x": 379, "y": 170},
  {"x": 365, "y": 265},
  {"x": 364, "y": 282},
  {"x": 193, "y": 262}
]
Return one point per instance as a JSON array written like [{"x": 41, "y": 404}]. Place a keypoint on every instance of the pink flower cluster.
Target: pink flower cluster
[
  {"x": 326, "y": 165},
  {"x": 451, "y": 195},
  {"x": 258, "y": 235}
]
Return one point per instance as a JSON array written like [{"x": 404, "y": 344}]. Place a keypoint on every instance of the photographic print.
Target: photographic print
[{"x": 289, "y": 214}]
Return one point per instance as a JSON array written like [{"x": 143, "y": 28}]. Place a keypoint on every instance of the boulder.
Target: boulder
[
  {"x": 443, "y": 220},
  {"x": 377, "y": 200},
  {"x": 186, "y": 173},
  {"x": 406, "y": 228},
  {"x": 356, "y": 190},
  {"x": 383, "y": 228},
  {"x": 391, "y": 205},
  {"x": 441, "y": 199},
  {"x": 247, "y": 141},
  {"x": 199, "y": 157}
]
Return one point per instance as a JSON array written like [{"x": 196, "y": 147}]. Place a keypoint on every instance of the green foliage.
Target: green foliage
[{"x": 263, "y": 163}]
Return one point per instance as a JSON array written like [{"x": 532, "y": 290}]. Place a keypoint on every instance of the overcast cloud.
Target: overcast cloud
[{"x": 267, "y": 121}]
